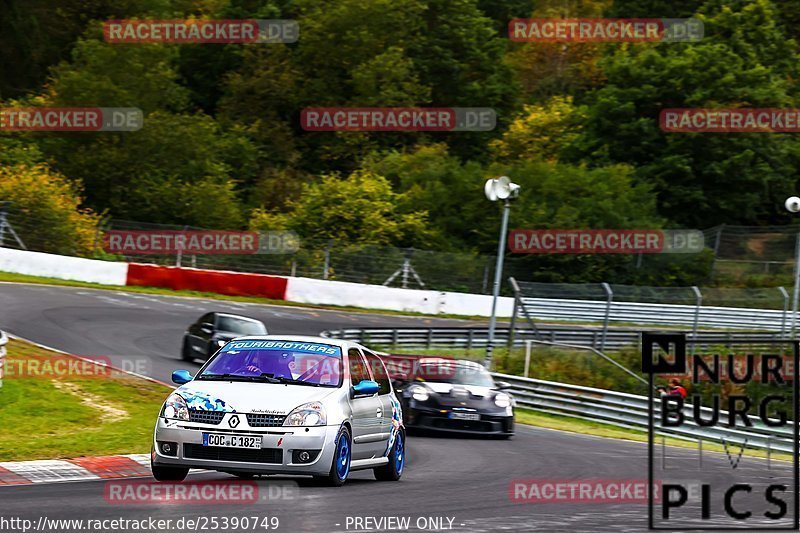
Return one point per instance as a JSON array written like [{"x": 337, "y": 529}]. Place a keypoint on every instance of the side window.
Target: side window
[
  {"x": 378, "y": 372},
  {"x": 208, "y": 317},
  {"x": 358, "y": 370}
]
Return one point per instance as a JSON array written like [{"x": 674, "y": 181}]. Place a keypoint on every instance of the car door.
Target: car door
[
  {"x": 381, "y": 377},
  {"x": 368, "y": 439},
  {"x": 197, "y": 342}
]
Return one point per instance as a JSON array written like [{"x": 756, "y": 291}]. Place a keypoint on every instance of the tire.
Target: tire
[
  {"x": 340, "y": 466},
  {"x": 186, "y": 353},
  {"x": 397, "y": 461},
  {"x": 169, "y": 473}
]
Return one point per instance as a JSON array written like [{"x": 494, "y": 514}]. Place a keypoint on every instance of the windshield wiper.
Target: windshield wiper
[{"x": 290, "y": 381}]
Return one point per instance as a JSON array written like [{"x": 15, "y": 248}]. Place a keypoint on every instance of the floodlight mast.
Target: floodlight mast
[{"x": 498, "y": 189}]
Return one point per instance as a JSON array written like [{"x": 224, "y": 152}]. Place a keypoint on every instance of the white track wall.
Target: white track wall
[
  {"x": 63, "y": 267},
  {"x": 316, "y": 291},
  {"x": 300, "y": 290}
]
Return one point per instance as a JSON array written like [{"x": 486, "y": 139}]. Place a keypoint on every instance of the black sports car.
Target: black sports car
[
  {"x": 214, "y": 330},
  {"x": 455, "y": 396}
]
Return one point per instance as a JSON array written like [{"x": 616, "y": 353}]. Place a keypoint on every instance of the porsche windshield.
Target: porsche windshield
[
  {"x": 458, "y": 374},
  {"x": 301, "y": 363}
]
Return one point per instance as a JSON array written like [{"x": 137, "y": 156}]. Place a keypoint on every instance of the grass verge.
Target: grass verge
[
  {"x": 598, "y": 429},
  {"x": 60, "y": 414}
]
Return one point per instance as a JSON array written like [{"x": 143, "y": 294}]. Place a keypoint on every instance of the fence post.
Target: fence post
[
  {"x": 327, "y": 264},
  {"x": 528, "y": 346},
  {"x": 699, "y": 297},
  {"x": 796, "y": 293},
  {"x": 512, "y": 326},
  {"x": 716, "y": 248},
  {"x": 785, "y": 311},
  {"x": 607, "y": 319},
  {"x": 294, "y": 267}
]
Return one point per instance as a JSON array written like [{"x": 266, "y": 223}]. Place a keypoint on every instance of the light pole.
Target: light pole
[
  {"x": 793, "y": 206},
  {"x": 498, "y": 189}
]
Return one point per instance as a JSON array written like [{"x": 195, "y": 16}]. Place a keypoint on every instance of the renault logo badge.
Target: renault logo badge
[{"x": 234, "y": 421}]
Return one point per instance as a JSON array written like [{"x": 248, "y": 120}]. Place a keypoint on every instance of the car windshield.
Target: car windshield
[
  {"x": 274, "y": 361},
  {"x": 238, "y": 325},
  {"x": 448, "y": 372}
]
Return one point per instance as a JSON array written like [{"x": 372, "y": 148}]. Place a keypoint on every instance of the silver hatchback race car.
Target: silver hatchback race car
[{"x": 282, "y": 405}]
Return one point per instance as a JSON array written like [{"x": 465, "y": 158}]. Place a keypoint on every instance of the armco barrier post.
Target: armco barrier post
[
  {"x": 607, "y": 319},
  {"x": 785, "y": 311},
  {"x": 699, "y": 297}
]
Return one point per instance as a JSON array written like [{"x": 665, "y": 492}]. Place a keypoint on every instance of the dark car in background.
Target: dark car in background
[
  {"x": 455, "y": 396},
  {"x": 213, "y": 330}
]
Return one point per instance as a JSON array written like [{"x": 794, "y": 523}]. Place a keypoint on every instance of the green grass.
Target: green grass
[
  {"x": 598, "y": 429},
  {"x": 44, "y": 417}
]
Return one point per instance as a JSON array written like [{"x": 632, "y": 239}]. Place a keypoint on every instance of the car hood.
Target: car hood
[
  {"x": 445, "y": 388},
  {"x": 244, "y": 397}
]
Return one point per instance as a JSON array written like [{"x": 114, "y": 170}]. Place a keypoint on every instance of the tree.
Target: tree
[
  {"x": 541, "y": 131},
  {"x": 47, "y": 210},
  {"x": 361, "y": 209},
  {"x": 182, "y": 161},
  {"x": 708, "y": 178}
]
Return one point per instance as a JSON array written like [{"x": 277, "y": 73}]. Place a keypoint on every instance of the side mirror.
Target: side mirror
[
  {"x": 502, "y": 385},
  {"x": 207, "y": 327},
  {"x": 366, "y": 387},
  {"x": 181, "y": 376}
]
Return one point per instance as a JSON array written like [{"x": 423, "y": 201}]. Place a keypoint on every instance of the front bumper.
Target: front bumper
[
  {"x": 276, "y": 455},
  {"x": 438, "y": 419}
]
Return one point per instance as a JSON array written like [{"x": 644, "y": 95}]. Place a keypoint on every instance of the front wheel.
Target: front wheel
[
  {"x": 186, "y": 351},
  {"x": 397, "y": 461},
  {"x": 340, "y": 466},
  {"x": 169, "y": 473}
]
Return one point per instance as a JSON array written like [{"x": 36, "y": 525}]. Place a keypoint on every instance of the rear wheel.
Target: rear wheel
[
  {"x": 397, "y": 461},
  {"x": 186, "y": 351},
  {"x": 340, "y": 467}
]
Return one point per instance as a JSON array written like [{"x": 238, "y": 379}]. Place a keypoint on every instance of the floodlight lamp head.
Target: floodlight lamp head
[
  {"x": 793, "y": 204},
  {"x": 501, "y": 189}
]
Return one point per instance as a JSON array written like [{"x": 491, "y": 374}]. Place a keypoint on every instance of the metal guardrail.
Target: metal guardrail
[
  {"x": 467, "y": 338},
  {"x": 631, "y": 411},
  {"x": 688, "y": 316}
]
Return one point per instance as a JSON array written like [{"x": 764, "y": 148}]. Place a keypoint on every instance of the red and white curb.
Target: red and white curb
[{"x": 80, "y": 469}]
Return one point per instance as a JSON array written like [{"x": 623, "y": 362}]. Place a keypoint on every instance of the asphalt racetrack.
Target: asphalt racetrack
[{"x": 450, "y": 484}]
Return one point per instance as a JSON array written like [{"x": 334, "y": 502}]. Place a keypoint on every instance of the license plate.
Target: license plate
[
  {"x": 231, "y": 441},
  {"x": 465, "y": 416}
]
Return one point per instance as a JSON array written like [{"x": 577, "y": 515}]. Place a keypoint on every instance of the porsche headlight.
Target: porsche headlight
[
  {"x": 308, "y": 414},
  {"x": 420, "y": 394},
  {"x": 502, "y": 400},
  {"x": 175, "y": 408}
]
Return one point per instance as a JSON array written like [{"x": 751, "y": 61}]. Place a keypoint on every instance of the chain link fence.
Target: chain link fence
[{"x": 762, "y": 256}]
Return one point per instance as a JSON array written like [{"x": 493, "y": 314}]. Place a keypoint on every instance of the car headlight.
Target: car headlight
[
  {"x": 502, "y": 400},
  {"x": 420, "y": 394},
  {"x": 176, "y": 408},
  {"x": 308, "y": 414}
]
